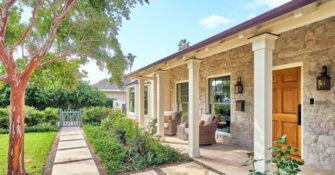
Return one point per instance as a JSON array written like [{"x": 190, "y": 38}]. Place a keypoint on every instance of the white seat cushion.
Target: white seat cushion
[
  {"x": 206, "y": 118},
  {"x": 166, "y": 125},
  {"x": 186, "y": 130}
]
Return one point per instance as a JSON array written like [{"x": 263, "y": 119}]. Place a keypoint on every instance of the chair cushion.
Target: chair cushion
[
  {"x": 166, "y": 125},
  {"x": 167, "y": 118},
  {"x": 186, "y": 130},
  {"x": 174, "y": 115},
  {"x": 201, "y": 122},
  {"x": 207, "y": 118}
]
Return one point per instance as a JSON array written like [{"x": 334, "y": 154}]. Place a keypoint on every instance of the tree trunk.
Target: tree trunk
[{"x": 16, "y": 131}]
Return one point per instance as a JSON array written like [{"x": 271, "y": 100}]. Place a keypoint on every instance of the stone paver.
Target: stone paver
[
  {"x": 73, "y": 156},
  {"x": 150, "y": 172},
  {"x": 86, "y": 167},
  {"x": 66, "y": 155},
  {"x": 71, "y": 144},
  {"x": 71, "y": 137},
  {"x": 188, "y": 169}
]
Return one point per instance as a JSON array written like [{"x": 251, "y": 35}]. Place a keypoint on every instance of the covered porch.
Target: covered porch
[{"x": 277, "y": 62}]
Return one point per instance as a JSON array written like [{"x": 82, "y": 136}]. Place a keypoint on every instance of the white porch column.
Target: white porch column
[
  {"x": 141, "y": 102},
  {"x": 193, "y": 108},
  {"x": 153, "y": 99},
  {"x": 263, "y": 46},
  {"x": 162, "y": 83}
]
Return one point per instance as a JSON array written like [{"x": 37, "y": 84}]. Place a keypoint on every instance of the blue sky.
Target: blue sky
[{"x": 154, "y": 30}]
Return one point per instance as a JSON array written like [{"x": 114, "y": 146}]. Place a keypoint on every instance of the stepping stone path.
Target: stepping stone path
[{"x": 73, "y": 156}]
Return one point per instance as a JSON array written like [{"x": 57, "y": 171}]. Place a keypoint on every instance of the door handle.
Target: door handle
[{"x": 299, "y": 114}]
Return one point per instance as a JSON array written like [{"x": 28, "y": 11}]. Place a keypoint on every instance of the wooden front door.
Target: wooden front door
[{"x": 286, "y": 99}]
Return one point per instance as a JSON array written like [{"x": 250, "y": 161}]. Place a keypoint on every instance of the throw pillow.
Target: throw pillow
[
  {"x": 167, "y": 118},
  {"x": 201, "y": 122}
]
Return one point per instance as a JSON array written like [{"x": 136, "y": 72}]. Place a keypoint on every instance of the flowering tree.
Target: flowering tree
[{"x": 58, "y": 29}]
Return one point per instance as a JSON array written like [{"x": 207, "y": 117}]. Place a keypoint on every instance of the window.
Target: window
[
  {"x": 182, "y": 100},
  {"x": 131, "y": 99},
  {"x": 145, "y": 100},
  {"x": 219, "y": 100}
]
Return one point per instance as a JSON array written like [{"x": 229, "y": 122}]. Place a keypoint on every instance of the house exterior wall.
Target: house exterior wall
[
  {"x": 120, "y": 96},
  {"x": 314, "y": 46},
  {"x": 311, "y": 47}
]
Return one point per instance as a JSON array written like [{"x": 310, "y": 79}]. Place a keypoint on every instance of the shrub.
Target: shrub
[
  {"x": 4, "y": 118},
  {"x": 122, "y": 146},
  {"x": 44, "y": 128},
  {"x": 51, "y": 116},
  {"x": 281, "y": 151},
  {"x": 94, "y": 115},
  {"x": 33, "y": 117}
]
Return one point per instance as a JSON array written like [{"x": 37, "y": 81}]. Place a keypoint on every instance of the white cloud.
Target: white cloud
[
  {"x": 214, "y": 21},
  {"x": 268, "y": 3},
  {"x": 251, "y": 16}
]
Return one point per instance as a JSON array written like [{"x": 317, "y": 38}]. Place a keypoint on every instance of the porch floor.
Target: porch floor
[{"x": 228, "y": 158}]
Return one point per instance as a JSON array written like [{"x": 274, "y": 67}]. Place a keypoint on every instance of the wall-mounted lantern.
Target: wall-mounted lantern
[
  {"x": 323, "y": 81},
  {"x": 239, "y": 86}
]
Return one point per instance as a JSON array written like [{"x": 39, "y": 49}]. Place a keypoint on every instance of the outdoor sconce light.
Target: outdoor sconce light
[
  {"x": 323, "y": 81},
  {"x": 239, "y": 86}
]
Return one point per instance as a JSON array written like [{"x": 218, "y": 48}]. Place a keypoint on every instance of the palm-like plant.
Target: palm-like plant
[
  {"x": 131, "y": 58},
  {"x": 183, "y": 44}
]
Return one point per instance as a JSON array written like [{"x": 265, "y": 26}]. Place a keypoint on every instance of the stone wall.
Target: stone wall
[
  {"x": 236, "y": 63},
  {"x": 313, "y": 46},
  {"x": 177, "y": 74}
]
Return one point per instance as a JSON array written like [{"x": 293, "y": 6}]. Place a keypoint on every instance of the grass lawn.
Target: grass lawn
[{"x": 37, "y": 146}]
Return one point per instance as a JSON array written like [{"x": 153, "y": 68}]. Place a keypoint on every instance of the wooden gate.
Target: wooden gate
[{"x": 70, "y": 118}]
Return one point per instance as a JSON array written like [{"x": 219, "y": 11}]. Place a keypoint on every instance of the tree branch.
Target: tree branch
[
  {"x": 33, "y": 62},
  {"x": 33, "y": 17},
  {"x": 4, "y": 18},
  {"x": 52, "y": 60}
]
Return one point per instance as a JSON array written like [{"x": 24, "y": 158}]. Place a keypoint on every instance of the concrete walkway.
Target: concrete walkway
[{"x": 73, "y": 156}]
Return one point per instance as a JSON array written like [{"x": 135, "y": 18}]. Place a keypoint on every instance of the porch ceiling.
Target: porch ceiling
[{"x": 289, "y": 16}]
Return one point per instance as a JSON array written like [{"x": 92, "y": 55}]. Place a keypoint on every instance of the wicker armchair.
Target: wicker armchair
[
  {"x": 207, "y": 132},
  {"x": 171, "y": 128}
]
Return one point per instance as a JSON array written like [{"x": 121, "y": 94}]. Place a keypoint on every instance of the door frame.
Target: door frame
[{"x": 292, "y": 65}]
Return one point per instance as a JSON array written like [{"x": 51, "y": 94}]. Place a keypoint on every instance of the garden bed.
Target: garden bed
[
  {"x": 37, "y": 146},
  {"x": 123, "y": 147}
]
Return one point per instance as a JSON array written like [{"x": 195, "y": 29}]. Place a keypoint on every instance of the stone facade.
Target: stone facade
[{"x": 312, "y": 46}]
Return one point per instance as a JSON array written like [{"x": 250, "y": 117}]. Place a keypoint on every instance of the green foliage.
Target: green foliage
[
  {"x": 122, "y": 146},
  {"x": 4, "y": 119},
  {"x": 83, "y": 95},
  {"x": 251, "y": 161},
  {"x": 183, "y": 44},
  {"x": 33, "y": 117},
  {"x": 223, "y": 110},
  {"x": 28, "y": 129},
  {"x": 284, "y": 163},
  {"x": 94, "y": 115}
]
